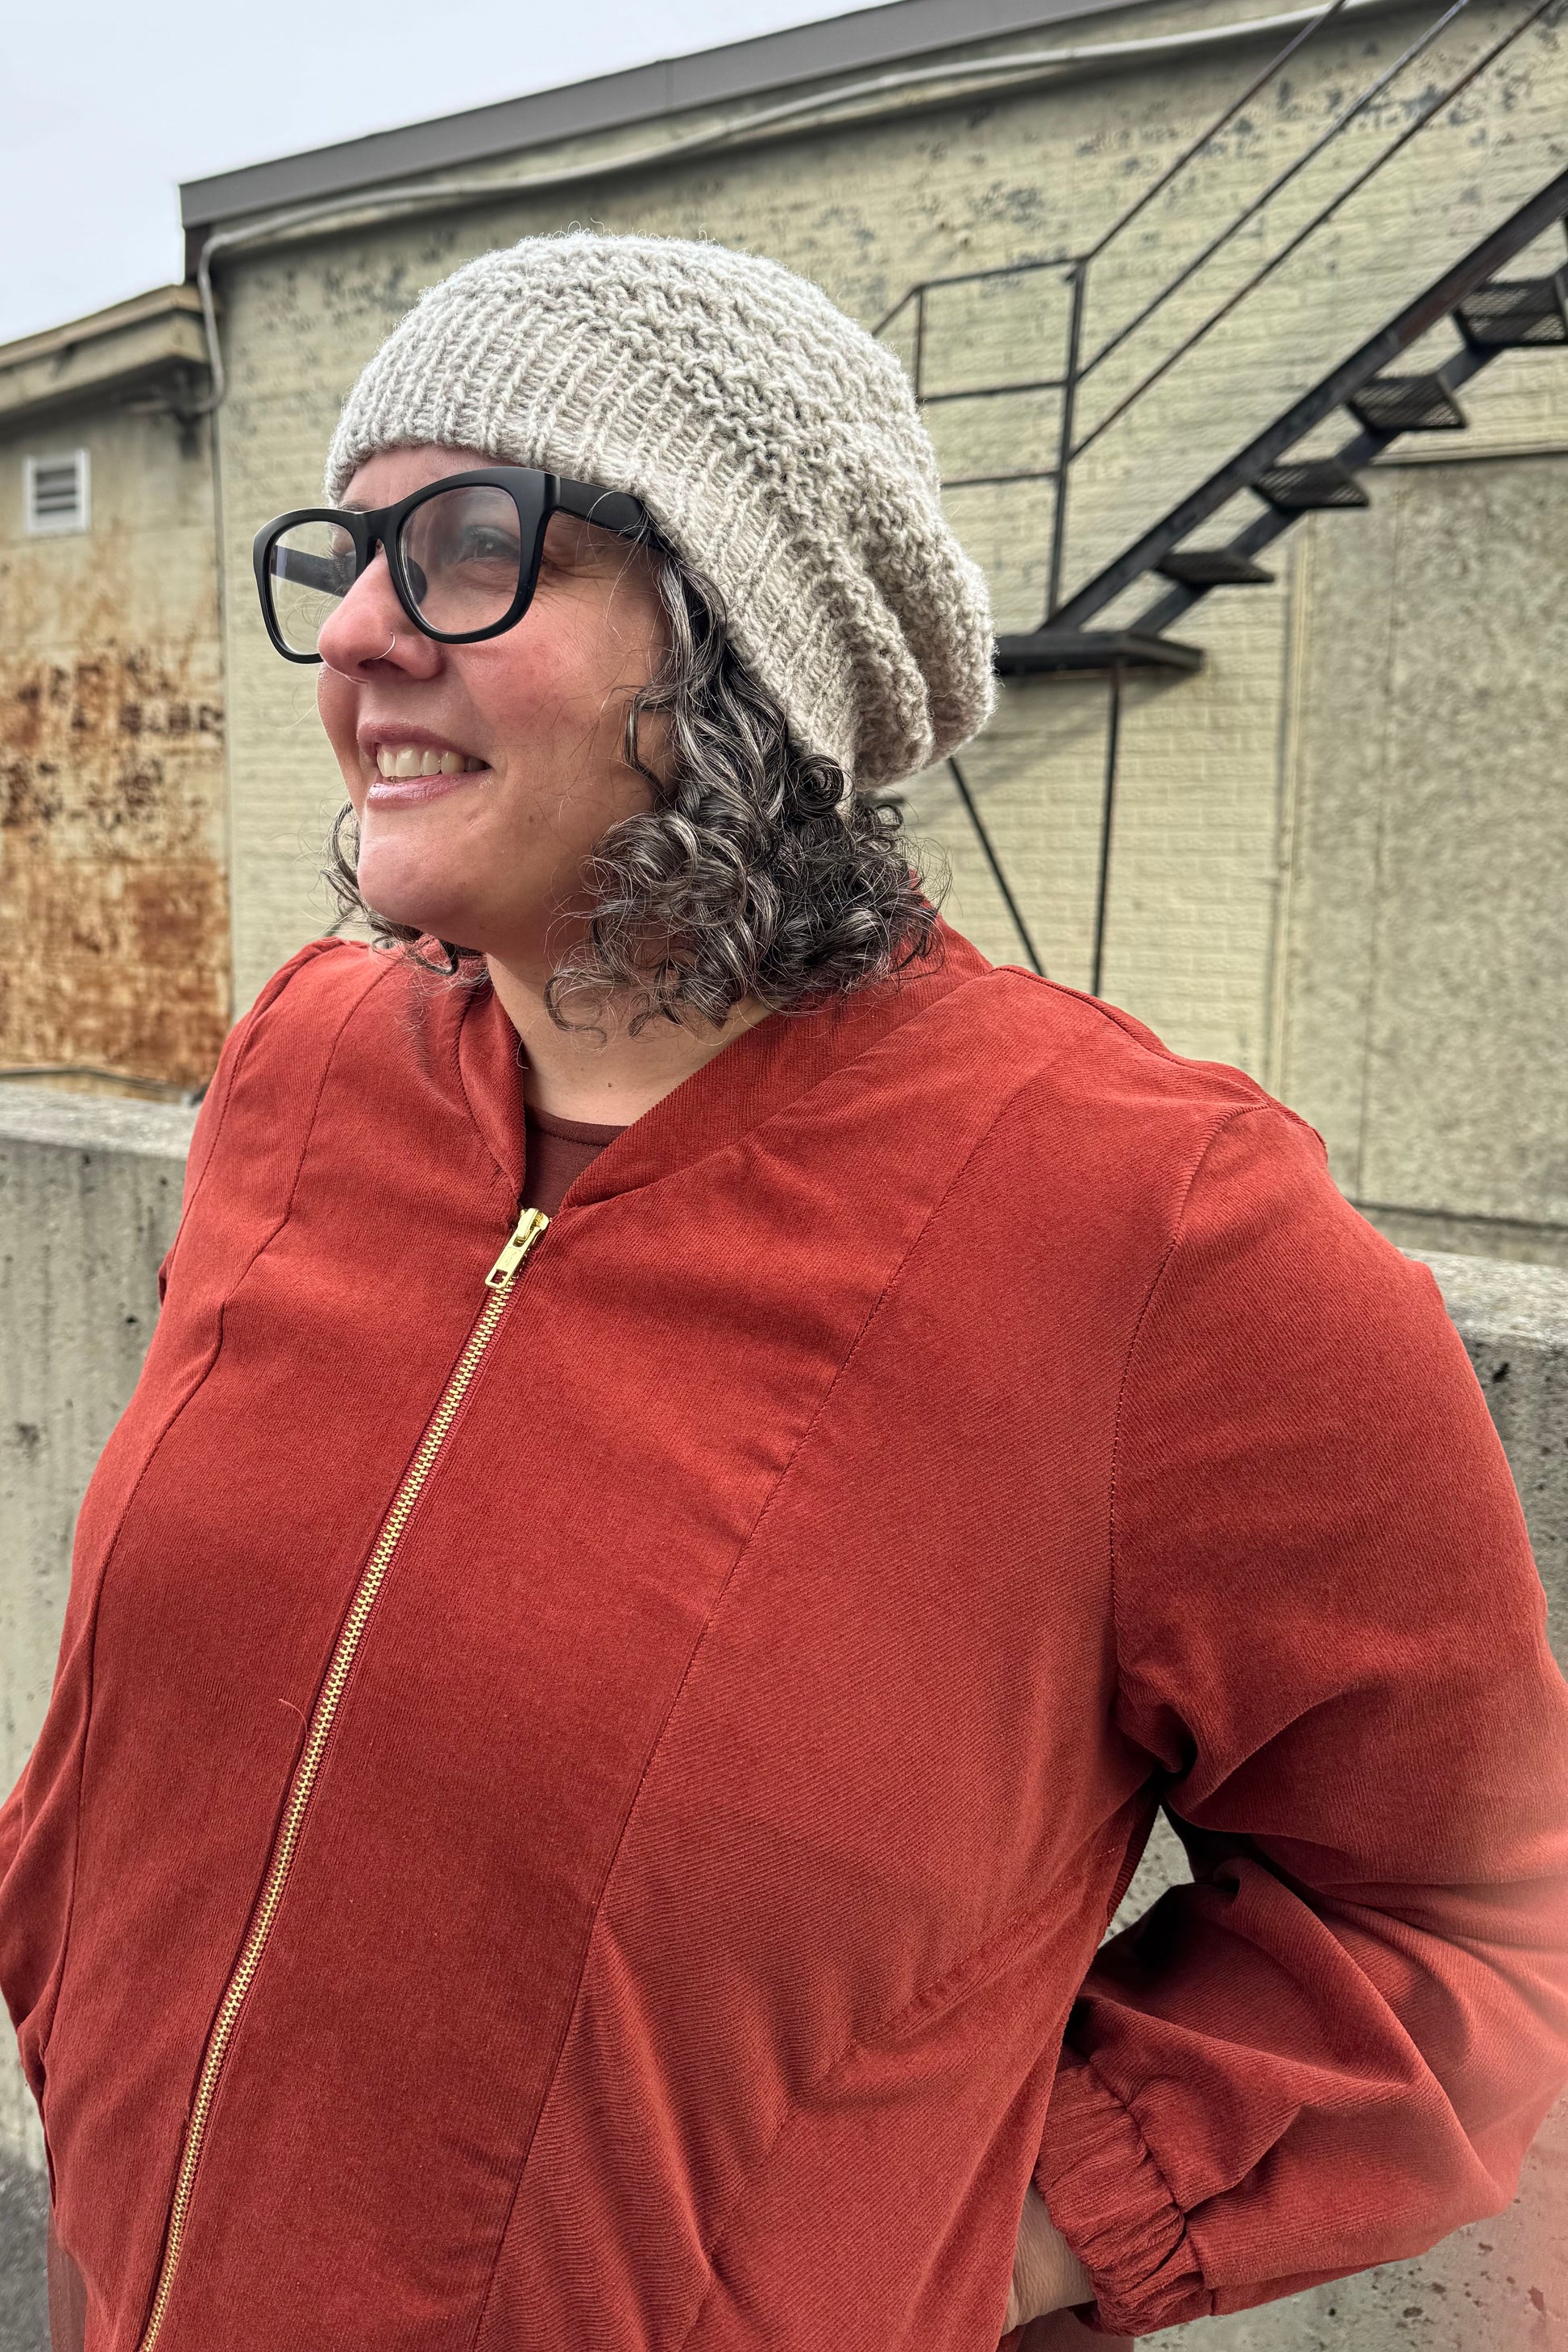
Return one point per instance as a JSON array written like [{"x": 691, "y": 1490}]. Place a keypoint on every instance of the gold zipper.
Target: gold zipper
[{"x": 498, "y": 1282}]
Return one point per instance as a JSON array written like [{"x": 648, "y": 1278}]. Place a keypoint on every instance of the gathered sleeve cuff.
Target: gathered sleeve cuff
[{"x": 1110, "y": 2202}]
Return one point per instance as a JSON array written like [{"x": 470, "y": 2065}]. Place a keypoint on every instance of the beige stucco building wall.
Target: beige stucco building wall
[
  {"x": 1339, "y": 852},
  {"x": 113, "y": 896}
]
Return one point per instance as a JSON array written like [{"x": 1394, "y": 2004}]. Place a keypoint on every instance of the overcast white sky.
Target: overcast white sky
[{"x": 109, "y": 104}]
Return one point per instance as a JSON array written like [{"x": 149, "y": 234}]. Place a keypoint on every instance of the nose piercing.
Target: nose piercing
[{"x": 381, "y": 656}]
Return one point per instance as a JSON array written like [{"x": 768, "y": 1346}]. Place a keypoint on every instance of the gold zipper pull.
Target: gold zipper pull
[{"x": 520, "y": 1240}]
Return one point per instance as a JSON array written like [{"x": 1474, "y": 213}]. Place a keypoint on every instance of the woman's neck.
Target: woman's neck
[{"x": 606, "y": 1076}]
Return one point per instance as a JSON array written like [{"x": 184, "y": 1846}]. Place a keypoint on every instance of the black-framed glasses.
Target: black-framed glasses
[{"x": 463, "y": 553}]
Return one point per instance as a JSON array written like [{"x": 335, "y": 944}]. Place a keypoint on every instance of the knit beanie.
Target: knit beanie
[{"x": 775, "y": 445}]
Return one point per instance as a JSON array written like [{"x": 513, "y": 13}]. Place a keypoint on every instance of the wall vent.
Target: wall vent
[{"x": 55, "y": 492}]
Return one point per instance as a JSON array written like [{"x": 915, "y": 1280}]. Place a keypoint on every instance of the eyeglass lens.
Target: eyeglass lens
[
  {"x": 311, "y": 569},
  {"x": 462, "y": 557}
]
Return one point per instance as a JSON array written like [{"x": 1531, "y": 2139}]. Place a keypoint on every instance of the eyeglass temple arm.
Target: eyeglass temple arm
[
  {"x": 611, "y": 510},
  {"x": 323, "y": 572}
]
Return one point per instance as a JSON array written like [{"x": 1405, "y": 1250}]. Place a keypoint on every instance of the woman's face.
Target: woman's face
[{"x": 490, "y": 857}]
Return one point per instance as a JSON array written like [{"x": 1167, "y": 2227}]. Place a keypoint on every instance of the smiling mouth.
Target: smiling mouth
[{"x": 397, "y": 760}]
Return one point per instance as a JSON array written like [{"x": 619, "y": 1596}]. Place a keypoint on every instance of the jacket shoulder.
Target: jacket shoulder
[
  {"x": 1081, "y": 1051},
  {"x": 301, "y": 1013},
  {"x": 276, "y": 1056},
  {"x": 1105, "y": 1130},
  {"x": 321, "y": 981}
]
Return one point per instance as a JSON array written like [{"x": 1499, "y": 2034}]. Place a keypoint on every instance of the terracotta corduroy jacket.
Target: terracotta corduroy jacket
[{"x": 577, "y": 1806}]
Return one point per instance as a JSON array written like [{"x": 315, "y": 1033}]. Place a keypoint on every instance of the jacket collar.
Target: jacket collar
[{"x": 767, "y": 1067}]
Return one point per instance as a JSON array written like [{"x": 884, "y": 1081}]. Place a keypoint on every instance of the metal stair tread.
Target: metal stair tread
[
  {"x": 1031, "y": 652},
  {"x": 1303, "y": 484},
  {"x": 1512, "y": 312},
  {"x": 1407, "y": 403},
  {"x": 1213, "y": 567}
]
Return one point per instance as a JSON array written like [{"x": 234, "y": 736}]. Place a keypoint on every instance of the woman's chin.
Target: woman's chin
[{"x": 416, "y": 910}]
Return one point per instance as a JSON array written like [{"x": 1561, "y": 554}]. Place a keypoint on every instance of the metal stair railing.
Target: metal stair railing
[
  {"x": 1491, "y": 314},
  {"x": 1049, "y": 645},
  {"x": 1384, "y": 406}
]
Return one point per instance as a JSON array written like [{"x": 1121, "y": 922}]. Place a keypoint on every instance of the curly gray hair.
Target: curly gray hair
[{"x": 744, "y": 878}]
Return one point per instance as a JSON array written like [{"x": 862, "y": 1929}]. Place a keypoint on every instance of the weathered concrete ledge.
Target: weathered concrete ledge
[{"x": 89, "y": 1196}]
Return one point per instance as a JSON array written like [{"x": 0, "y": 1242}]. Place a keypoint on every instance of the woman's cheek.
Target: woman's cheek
[{"x": 337, "y": 704}]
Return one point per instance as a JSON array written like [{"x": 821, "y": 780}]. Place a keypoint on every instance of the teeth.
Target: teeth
[{"x": 409, "y": 759}]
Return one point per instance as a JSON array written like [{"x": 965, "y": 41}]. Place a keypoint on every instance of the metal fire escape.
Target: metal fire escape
[{"x": 1489, "y": 311}]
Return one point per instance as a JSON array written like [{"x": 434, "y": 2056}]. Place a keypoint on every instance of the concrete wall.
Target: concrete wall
[
  {"x": 1337, "y": 869},
  {"x": 89, "y": 1201},
  {"x": 114, "y": 855}
]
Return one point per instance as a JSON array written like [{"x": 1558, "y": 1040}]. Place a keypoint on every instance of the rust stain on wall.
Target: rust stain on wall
[{"x": 113, "y": 897}]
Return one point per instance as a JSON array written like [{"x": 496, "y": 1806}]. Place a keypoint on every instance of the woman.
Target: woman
[{"x": 702, "y": 1475}]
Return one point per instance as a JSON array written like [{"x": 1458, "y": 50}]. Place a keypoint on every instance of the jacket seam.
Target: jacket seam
[
  {"x": 964, "y": 1977},
  {"x": 220, "y": 1116},
  {"x": 154, "y": 1450},
  {"x": 677, "y": 1695},
  {"x": 785, "y": 1110},
  {"x": 468, "y": 1101},
  {"x": 269, "y": 996},
  {"x": 1157, "y": 1051}
]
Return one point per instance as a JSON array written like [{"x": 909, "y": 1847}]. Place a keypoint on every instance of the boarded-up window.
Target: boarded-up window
[{"x": 55, "y": 492}]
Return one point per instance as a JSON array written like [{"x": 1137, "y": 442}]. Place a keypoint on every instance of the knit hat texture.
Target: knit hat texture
[{"x": 774, "y": 443}]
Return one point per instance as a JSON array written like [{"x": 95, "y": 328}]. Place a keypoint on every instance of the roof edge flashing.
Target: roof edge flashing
[
  {"x": 101, "y": 326},
  {"x": 107, "y": 358},
  {"x": 797, "y": 57}
]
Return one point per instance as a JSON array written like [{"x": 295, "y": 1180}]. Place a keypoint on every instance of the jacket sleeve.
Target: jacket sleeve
[{"x": 1335, "y": 2046}]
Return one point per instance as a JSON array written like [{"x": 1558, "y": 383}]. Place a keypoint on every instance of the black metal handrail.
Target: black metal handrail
[
  {"x": 1071, "y": 443},
  {"x": 1211, "y": 132},
  {"x": 1266, "y": 269},
  {"x": 1540, "y": 212},
  {"x": 1234, "y": 226}
]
